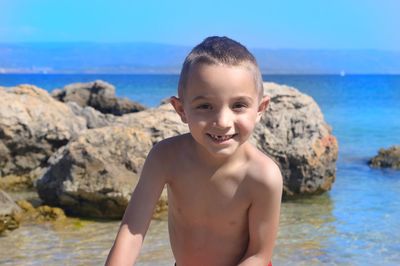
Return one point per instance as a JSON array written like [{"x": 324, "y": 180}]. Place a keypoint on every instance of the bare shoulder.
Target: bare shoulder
[
  {"x": 172, "y": 145},
  {"x": 168, "y": 150},
  {"x": 264, "y": 172}
]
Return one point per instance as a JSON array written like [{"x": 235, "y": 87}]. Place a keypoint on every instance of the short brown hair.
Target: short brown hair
[{"x": 220, "y": 50}]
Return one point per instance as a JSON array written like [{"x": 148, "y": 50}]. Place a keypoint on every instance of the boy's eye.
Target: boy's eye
[
  {"x": 239, "y": 105},
  {"x": 204, "y": 106}
]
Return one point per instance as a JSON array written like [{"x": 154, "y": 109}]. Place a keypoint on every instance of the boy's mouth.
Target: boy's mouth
[{"x": 221, "y": 138}]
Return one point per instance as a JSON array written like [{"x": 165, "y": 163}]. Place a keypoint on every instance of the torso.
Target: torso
[{"x": 208, "y": 209}]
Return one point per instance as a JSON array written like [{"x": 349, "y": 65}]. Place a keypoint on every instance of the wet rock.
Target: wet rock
[
  {"x": 16, "y": 183},
  {"x": 387, "y": 158},
  {"x": 41, "y": 213},
  {"x": 161, "y": 210},
  {"x": 26, "y": 206},
  {"x": 99, "y": 95},
  {"x": 10, "y": 213},
  {"x": 95, "y": 174},
  {"x": 32, "y": 127},
  {"x": 294, "y": 133}
]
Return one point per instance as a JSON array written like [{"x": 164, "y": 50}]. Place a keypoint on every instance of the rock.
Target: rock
[
  {"x": 95, "y": 174},
  {"x": 32, "y": 127},
  {"x": 16, "y": 183},
  {"x": 293, "y": 132},
  {"x": 165, "y": 101},
  {"x": 99, "y": 95},
  {"x": 94, "y": 118},
  {"x": 26, "y": 206},
  {"x": 10, "y": 213},
  {"x": 47, "y": 213},
  {"x": 161, "y": 123},
  {"x": 388, "y": 158},
  {"x": 40, "y": 214}
]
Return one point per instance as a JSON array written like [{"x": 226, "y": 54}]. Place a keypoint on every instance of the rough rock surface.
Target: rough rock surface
[
  {"x": 160, "y": 123},
  {"x": 10, "y": 213},
  {"x": 94, "y": 118},
  {"x": 99, "y": 95},
  {"x": 94, "y": 174},
  {"x": 41, "y": 213},
  {"x": 388, "y": 158},
  {"x": 32, "y": 127},
  {"x": 293, "y": 132}
]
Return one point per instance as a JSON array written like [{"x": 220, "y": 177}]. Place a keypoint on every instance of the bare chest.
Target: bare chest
[{"x": 214, "y": 201}]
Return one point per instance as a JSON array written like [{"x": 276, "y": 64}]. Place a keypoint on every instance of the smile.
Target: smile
[{"x": 221, "y": 138}]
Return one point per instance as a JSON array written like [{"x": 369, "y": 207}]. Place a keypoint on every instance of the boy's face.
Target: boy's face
[{"x": 221, "y": 106}]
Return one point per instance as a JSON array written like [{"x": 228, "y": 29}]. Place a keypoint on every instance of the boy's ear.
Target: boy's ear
[
  {"x": 178, "y": 106},
  {"x": 262, "y": 107}
]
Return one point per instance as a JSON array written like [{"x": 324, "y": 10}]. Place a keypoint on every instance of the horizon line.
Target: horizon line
[
  {"x": 191, "y": 46},
  {"x": 178, "y": 73}
]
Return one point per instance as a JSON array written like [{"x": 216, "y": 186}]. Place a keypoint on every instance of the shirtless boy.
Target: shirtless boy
[{"x": 223, "y": 193}]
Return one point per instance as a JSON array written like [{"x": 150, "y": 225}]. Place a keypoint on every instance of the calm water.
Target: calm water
[{"x": 357, "y": 223}]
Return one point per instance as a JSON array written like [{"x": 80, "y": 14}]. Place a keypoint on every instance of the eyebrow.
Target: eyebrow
[
  {"x": 197, "y": 98},
  {"x": 202, "y": 97},
  {"x": 247, "y": 98}
]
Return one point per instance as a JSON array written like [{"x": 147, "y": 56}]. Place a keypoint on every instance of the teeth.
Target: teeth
[{"x": 221, "y": 138}]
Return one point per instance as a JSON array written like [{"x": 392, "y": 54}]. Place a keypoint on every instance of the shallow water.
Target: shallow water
[
  {"x": 357, "y": 223},
  {"x": 77, "y": 243},
  {"x": 312, "y": 232},
  {"x": 330, "y": 229}
]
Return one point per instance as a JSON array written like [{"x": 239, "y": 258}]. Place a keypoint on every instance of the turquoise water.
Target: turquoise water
[{"x": 358, "y": 221}]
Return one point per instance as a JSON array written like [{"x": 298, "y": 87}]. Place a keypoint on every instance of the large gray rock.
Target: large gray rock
[
  {"x": 293, "y": 132},
  {"x": 99, "y": 95},
  {"x": 162, "y": 122},
  {"x": 387, "y": 158},
  {"x": 93, "y": 118},
  {"x": 94, "y": 174},
  {"x": 33, "y": 126}
]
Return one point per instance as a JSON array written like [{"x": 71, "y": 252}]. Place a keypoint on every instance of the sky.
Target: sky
[{"x": 305, "y": 24}]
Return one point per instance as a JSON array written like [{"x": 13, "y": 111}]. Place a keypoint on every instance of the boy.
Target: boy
[{"x": 223, "y": 193}]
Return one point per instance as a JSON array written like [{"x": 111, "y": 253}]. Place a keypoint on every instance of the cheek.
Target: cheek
[
  {"x": 196, "y": 120},
  {"x": 197, "y": 117},
  {"x": 247, "y": 123},
  {"x": 251, "y": 118}
]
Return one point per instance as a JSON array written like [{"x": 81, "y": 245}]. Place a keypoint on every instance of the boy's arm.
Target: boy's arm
[
  {"x": 140, "y": 209},
  {"x": 264, "y": 218}
]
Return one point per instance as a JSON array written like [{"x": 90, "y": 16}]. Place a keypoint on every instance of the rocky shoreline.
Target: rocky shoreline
[{"x": 86, "y": 159}]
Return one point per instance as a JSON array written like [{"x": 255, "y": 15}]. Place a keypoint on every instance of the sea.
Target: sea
[{"x": 356, "y": 223}]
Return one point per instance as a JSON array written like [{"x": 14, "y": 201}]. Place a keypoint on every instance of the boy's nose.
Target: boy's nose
[{"x": 223, "y": 119}]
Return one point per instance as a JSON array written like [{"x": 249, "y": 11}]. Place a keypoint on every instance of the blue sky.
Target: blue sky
[{"x": 305, "y": 24}]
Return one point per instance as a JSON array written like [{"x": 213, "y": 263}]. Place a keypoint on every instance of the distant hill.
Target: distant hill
[{"x": 163, "y": 58}]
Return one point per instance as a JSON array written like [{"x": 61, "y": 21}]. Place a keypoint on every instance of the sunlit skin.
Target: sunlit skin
[{"x": 223, "y": 193}]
